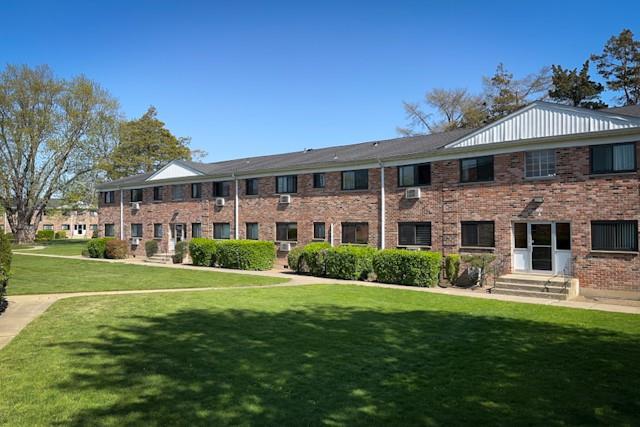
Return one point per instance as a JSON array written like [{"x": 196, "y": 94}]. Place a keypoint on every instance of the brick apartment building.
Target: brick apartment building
[
  {"x": 550, "y": 189},
  {"x": 78, "y": 221}
]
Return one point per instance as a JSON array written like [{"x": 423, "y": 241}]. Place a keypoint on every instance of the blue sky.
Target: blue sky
[{"x": 249, "y": 78}]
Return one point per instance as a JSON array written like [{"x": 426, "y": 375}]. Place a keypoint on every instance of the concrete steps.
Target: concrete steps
[
  {"x": 536, "y": 286},
  {"x": 159, "y": 259}
]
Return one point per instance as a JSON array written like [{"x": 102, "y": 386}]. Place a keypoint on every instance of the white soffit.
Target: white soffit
[
  {"x": 172, "y": 171},
  {"x": 543, "y": 119}
]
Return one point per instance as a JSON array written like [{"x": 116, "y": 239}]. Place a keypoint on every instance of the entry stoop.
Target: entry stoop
[
  {"x": 159, "y": 259},
  {"x": 536, "y": 286}
]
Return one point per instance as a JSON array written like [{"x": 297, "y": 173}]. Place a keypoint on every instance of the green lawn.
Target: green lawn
[
  {"x": 320, "y": 355},
  {"x": 62, "y": 247},
  {"x": 40, "y": 275}
]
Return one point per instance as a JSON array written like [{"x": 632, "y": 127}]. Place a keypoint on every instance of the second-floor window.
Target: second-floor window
[
  {"x": 109, "y": 197},
  {"x": 157, "y": 193},
  {"x": 221, "y": 189},
  {"x": 414, "y": 175},
  {"x": 177, "y": 192},
  {"x": 355, "y": 180},
  {"x": 318, "y": 180},
  {"x": 196, "y": 190},
  {"x": 538, "y": 164},
  {"x": 136, "y": 230},
  {"x": 136, "y": 195},
  {"x": 252, "y": 186},
  {"x": 476, "y": 169},
  {"x": 286, "y": 184},
  {"x": 613, "y": 158}
]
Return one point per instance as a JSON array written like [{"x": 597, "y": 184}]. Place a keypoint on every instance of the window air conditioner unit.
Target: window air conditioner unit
[
  {"x": 285, "y": 246},
  {"x": 285, "y": 199},
  {"x": 412, "y": 193},
  {"x": 219, "y": 202},
  {"x": 135, "y": 241},
  {"x": 135, "y": 206}
]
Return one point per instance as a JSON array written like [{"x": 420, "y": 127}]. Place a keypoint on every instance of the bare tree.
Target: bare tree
[{"x": 53, "y": 133}]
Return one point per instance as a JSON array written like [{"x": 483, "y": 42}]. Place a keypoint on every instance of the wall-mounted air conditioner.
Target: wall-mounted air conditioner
[
  {"x": 285, "y": 199},
  {"x": 135, "y": 241},
  {"x": 219, "y": 202},
  {"x": 135, "y": 206},
  {"x": 285, "y": 246},
  {"x": 412, "y": 193}
]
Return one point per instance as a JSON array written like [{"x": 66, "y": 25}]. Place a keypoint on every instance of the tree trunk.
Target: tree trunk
[{"x": 22, "y": 229}]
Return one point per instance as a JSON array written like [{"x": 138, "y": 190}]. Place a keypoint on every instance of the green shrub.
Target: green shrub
[
  {"x": 349, "y": 262},
  {"x": 44, "y": 235},
  {"x": 61, "y": 234},
  {"x": 96, "y": 247},
  {"x": 151, "y": 248},
  {"x": 481, "y": 263},
  {"x": 204, "y": 252},
  {"x": 416, "y": 268},
  {"x": 5, "y": 266},
  {"x": 246, "y": 254},
  {"x": 179, "y": 252},
  {"x": 293, "y": 259},
  {"x": 116, "y": 249},
  {"x": 452, "y": 267},
  {"x": 314, "y": 258}
]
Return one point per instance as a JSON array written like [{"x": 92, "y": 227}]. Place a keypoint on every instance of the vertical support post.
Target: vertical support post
[
  {"x": 331, "y": 234},
  {"x": 121, "y": 214},
  {"x": 382, "y": 208},
  {"x": 236, "y": 211}
]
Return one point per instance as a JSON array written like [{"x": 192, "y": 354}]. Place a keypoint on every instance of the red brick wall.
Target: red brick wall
[{"x": 572, "y": 196}]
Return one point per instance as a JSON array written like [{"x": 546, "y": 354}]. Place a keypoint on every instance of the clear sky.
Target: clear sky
[{"x": 249, "y": 78}]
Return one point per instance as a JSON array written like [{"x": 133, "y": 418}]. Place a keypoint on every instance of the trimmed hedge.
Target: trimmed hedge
[
  {"x": 349, "y": 262},
  {"x": 452, "y": 267},
  {"x": 293, "y": 259},
  {"x": 246, "y": 254},
  {"x": 116, "y": 249},
  {"x": 180, "y": 251},
  {"x": 44, "y": 235},
  {"x": 314, "y": 258},
  {"x": 61, "y": 234},
  {"x": 204, "y": 252},
  {"x": 416, "y": 268},
  {"x": 151, "y": 248},
  {"x": 5, "y": 268},
  {"x": 96, "y": 247}
]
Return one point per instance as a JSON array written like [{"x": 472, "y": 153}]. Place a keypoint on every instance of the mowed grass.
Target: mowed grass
[
  {"x": 42, "y": 275},
  {"x": 62, "y": 247},
  {"x": 320, "y": 355}
]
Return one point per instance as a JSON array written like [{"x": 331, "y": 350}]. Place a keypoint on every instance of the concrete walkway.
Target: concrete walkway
[{"x": 24, "y": 308}]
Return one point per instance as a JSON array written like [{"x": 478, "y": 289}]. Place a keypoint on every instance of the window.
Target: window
[
  {"x": 177, "y": 192},
  {"x": 47, "y": 227},
  {"x": 319, "y": 231},
  {"x": 109, "y": 197},
  {"x": 539, "y": 164},
  {"x": 157, "y": 193},
  {"x": 614, "y": 235},
  {"x": 355, "y": 232},
  {"x": 196, "y": 230},
  {"x": 287, "y": 231},
  {"x": 136, "y": 230},
  {"x": 157, "y": 231},
  {"x": 563, "y": 236},
  {"x": 476, "y": 169},
  {"x": 478, "y": 234},
  {"x": 613, "y": 158},
  {"x": 136, "y": 195},
  {"x": 520, "y": 233},
  {"x": 252, "y": 186},
  {"x": 318, "y": 180},
  {"x": 355, "y": 180},
  {"x": 66, "y": 227},
  {"x": 109, "y": 230},
  {"x": 414, "y": 233},
  {"x": 252, "y": 231},
  {"x": 94, "y": 227},
  {"x": 286, "y": 184},
  {"x": 414, "y": 175},
  {"x": 221, "y": 230},
  {"x": 196, "y": 190},
  {"x": 221, "y": 189}
]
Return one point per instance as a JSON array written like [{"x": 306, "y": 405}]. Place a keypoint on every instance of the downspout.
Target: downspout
[
  {"x": 121, "y": 214},
  {"x": 236, "y": 211},
  {"x": 382, "y": 208}
]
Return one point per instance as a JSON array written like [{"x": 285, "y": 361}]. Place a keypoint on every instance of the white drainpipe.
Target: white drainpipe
[
  {"x": 382, "y": 207},
  {"x": 121, "y": 214},
  {"x": 236, "y": 211}
]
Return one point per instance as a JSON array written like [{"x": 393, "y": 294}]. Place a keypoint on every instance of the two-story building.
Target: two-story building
[{"x": 550, "y": 189}]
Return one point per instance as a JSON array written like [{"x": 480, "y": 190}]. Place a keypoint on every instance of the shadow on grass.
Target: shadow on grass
[{"x": 341, "y": 366}]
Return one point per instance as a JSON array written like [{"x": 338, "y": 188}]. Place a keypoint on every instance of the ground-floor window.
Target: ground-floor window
[
  {"x": 614, "y": 235},
  {"x": 109, "y": 230},
  {"x": 66, "y": 227},
  {"x": 252, "y": 231},
  {"x": 287, "y": 231},
  {"x": 196, "y": 230},
  {"x": 47, "y": 227},
  {"x": 414, "y": 234},
  {"x": 478, "y": 234},
  {"x": 319, "y": 231},
  {"x": 157, "y": 231},
  {"x": 94, "y": 227},
  {"x": 221, "y": 230},
  {"x": 355, "y": 232},
  {"x": 136, "y": 230}
]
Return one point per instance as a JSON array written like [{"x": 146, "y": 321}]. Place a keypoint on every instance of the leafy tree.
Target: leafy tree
[
  {"x": 53, "y": 133},
  {"x": 505, "y": 94},
  {"x": 454, "y": 108},
  {"x": 144, "y": 146},
  {"x": 619, "y": 65},
  {"x": 575, "y": 88}
]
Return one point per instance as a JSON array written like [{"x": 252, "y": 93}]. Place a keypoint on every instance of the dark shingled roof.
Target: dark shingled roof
[{"x": 629, "y": 110}]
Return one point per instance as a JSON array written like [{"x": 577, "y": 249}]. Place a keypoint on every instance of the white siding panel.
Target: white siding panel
[
  {"x": 172, "y": 171},
  {"x": 546, "y": 120}
]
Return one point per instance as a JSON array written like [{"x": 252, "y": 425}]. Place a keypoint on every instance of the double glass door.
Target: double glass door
[{"x": 541, "y": 247}]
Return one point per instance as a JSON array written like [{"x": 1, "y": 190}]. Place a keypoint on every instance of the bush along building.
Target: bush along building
[{"x": 551, "y": 190}]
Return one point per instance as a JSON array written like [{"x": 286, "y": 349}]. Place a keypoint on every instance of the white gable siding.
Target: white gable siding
[
  {"x": 546, "y": 120},
  {"x": 172, "y": 171}
]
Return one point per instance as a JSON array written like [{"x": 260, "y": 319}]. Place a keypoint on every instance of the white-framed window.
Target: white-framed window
[
  {"x": 541, "y": 163},
  {"x": 157, "y": 231},
  {"x": 252, "y": 231},
  {"x": 47, "y": 227},
  {"x": 66, "y": 227}
]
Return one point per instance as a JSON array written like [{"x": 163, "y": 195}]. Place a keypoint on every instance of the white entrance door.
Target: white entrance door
[
  {"x": 79, "y": 229},
  {"x": 542, "y": 247},
  {"x": 177, "y": 235}
]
